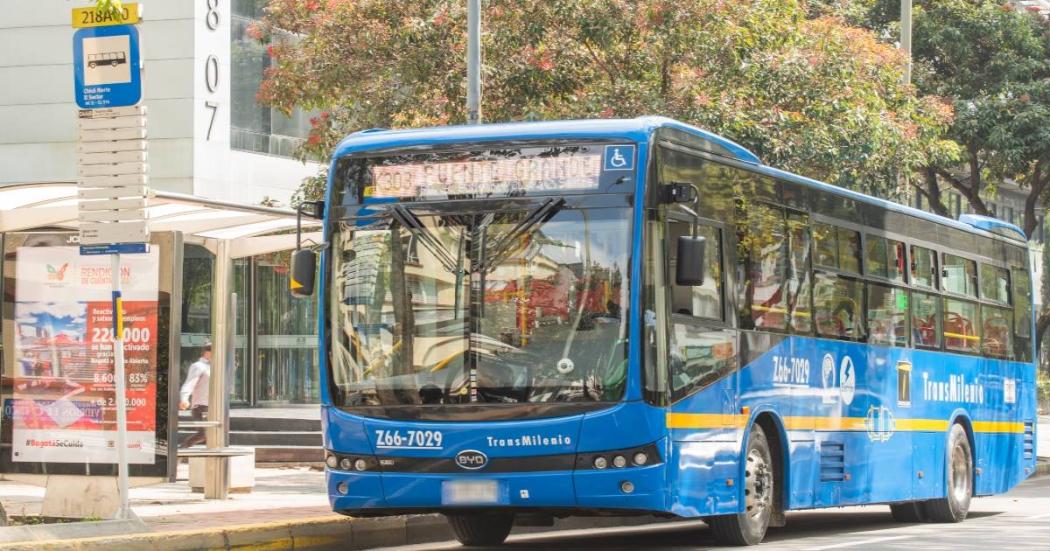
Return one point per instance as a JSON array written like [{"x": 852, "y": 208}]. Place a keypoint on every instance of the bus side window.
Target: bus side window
[
  {"x": 960, "y": 326},
  {"x": 887, "y": 315},
  {"x": 762, "y": 258},
  {"x": 1022, "y": 301},
  {"x": 925, "y": 320},
  {"x": 923, "y": 267},
  {"x": 703, "y": 301},
  {"x": 837, "y": 306}
]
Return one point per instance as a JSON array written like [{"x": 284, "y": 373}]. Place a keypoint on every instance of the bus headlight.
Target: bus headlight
[
  {"x": 332, "y": 461},
  {"x": 641, "y": 456},
  {"x": 345, "y": 463},
  {"x": 360, "y": 465}
]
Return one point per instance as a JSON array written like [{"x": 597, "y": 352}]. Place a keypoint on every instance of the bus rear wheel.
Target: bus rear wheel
[
  {"x": 956, "y": 504},
  {"x": 908, "y": 512},
  {"x": 480, "y": 528},
  {"x": 749, "y": 526}
]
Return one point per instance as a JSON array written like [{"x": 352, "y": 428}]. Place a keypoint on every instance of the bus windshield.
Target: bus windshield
[{"x": 521, "y": 305}]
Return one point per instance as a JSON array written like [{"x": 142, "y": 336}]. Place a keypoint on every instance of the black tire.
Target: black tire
[
  {"x": 481, "y": 529},
  {"x": 954, "y": 506},
  {"x": 910, "y": 512},
  {"x": 749, "y": 527}
]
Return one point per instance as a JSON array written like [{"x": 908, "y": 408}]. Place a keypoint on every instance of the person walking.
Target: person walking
[{"x": 194, "y": 395}]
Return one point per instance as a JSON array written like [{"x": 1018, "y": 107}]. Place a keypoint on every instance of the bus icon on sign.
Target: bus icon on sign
[
  {"x": 107, "y": 58},
  {"x": 619, "y": 157}
]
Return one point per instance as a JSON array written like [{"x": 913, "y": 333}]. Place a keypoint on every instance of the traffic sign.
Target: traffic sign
[
  {"x": 106, "y": 67},
  {"x": 94, "y": 17}
]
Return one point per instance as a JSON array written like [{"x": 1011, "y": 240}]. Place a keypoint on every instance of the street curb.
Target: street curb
[{"x": 317, "y": 533}]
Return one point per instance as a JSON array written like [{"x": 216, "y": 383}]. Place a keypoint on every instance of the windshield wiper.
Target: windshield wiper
[
  {"x": 405, "y": 217},
  {"x": 503, "y": 248}
]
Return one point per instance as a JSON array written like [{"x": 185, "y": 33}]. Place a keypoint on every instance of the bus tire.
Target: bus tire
[
  {"x": 910, "y": 512},
  {"x": 749, "y": 526},
  {"x": 954, "y": 506},
  {"x": 480, "y": 528}
]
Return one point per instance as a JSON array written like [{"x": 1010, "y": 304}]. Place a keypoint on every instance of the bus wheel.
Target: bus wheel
[
  {"x": 480, "y": 528},
  {"x": 908, "y": 512},
  {"x": 954, "y": 506},
  {"x": 749, "y": 527}
]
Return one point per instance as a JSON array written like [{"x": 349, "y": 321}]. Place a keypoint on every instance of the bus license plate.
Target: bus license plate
[{"x": 469, "y": 492}]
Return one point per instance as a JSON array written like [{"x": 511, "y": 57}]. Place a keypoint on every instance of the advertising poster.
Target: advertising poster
[{"x": 64, "y": 408}]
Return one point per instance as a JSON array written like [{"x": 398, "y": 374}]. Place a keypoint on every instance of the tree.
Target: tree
[
  {"x": 812, "y": 95},
  {"x": 993, "y": 64}
]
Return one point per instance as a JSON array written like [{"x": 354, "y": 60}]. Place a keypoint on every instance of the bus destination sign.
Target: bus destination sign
[{"x": 578, "y": 172}]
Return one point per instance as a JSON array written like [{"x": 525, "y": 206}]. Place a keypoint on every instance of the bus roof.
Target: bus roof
[{"x": 639, "y": 130}]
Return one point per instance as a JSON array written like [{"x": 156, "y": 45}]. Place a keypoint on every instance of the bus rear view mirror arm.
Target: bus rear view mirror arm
[
  {"x": 304, "y": 261},
  {"x": 689, "y": 271}
]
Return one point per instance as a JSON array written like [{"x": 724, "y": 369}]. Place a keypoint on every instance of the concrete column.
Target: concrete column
[{"x": 216, "y": 483}]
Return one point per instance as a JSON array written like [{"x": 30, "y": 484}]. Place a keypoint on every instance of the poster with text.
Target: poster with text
[{"x": 64, "y": 408}]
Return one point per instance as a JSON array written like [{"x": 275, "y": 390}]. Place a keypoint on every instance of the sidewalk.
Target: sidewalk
[{"x": 280, "y": 494}]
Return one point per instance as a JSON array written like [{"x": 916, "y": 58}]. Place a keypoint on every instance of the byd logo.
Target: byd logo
[{"x": 471, "y": 460}]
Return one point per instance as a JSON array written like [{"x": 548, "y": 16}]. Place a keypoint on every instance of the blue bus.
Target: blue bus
[{"x": 612, "y": 317}]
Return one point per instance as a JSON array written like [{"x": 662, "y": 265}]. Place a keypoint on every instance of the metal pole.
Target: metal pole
[
  {"x": 118, "y": 377},
  {"x": 906, "y": 38},
  {"x": 473, "y": 61}
]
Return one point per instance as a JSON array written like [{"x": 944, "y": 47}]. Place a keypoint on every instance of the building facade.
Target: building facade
[{"x": 207, "y": 137}]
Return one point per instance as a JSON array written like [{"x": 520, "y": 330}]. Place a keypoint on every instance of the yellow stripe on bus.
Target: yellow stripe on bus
[
  {"x": 998, "y": 426},
  {"x": 730, "y": 420}
]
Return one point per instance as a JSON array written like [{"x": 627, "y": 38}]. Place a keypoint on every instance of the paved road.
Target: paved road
[{"x": 1018, "y": 520}]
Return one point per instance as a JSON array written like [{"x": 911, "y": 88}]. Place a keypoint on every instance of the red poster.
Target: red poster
[{"x": 64, "y": 396}]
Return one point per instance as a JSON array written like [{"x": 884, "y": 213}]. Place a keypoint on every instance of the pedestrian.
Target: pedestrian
[{"x": 194, "y": 395}]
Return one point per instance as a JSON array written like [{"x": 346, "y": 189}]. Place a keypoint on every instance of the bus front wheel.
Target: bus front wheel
[
  {"x": 749, "y": 526},
  {"x": 480, "y": 528},
  {"x": 954, "y": 506}
]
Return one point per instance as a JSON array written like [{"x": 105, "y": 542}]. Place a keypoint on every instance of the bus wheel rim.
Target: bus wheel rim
[
  {"x": 758, "y": 489},
  {"x": 960, "y": 473}
]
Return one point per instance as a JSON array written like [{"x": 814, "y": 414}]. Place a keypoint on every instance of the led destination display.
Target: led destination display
[{"x": 487, "y": 177}]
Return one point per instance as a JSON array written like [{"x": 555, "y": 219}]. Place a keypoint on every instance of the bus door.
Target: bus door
[{"x": 702, "y": 347}]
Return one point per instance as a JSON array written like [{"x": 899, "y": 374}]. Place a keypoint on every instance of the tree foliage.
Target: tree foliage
[
  {"x": 993, "y": 63},
  {"x": 803, "y": 90}
]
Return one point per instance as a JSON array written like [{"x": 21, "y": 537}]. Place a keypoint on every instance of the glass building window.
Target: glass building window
[{"x": 255, "y": 127}]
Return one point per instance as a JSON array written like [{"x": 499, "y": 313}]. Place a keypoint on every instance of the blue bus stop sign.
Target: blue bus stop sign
[{"x": 106, "y": 67}]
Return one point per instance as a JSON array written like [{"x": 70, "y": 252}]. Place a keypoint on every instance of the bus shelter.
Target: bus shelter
[{"x": 228, "y": 230}]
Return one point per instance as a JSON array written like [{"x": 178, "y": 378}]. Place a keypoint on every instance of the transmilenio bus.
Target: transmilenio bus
[{"x": 610, "y": 317}]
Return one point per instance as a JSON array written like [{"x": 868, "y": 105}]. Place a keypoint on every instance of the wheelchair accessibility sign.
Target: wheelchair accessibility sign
[{"x": 619, "y": 157}]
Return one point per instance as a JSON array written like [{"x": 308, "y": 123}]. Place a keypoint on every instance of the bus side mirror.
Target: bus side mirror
[
  {"x": 304, "y": 271},
  {"x": 690, "y": 269}
]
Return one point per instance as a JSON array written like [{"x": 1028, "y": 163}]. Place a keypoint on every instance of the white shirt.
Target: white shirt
[{"x": 196, "y": 385}]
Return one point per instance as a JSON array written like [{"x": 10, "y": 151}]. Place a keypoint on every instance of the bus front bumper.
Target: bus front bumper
[{"x": 640, "y": 489}]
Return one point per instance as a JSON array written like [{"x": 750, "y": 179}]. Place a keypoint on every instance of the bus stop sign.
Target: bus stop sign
[{"x": 106, "y": 67}]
